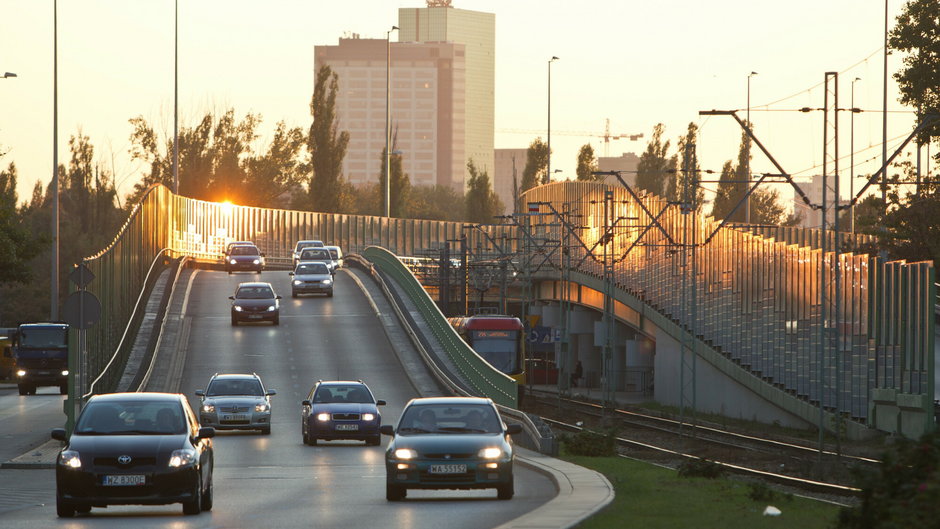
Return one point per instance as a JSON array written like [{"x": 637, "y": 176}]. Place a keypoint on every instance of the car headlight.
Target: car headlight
[
  {"x": 264, "y": 406},
  {"x": 298, "y": 282},
  {"x": 65, "y": 372},
  {"x": 405, "y": 453},
  {"x": 327, "y": 281},
  {"x": 237, "y": 308},
  {"x": 208, "y": 408},
  {"x": 182, "y": 457},
  {"x": 369, "y": 417},
  {"x": 70, "y": 459},
  {"x": 491, "y": 453},
  {"x": 21, "y": 372},
  {"x": 323, "y": 417},
  {"x": 272, "y": 308},
  {"x": 233, "y": 261},
  {"x": 256, "y": 261}
]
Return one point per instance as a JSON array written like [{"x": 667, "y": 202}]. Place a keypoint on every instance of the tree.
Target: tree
[
  {"x": 271, "y": 177},
  {"x": 732, "y": 185},
  {"x": 436, "y": 203},
  {"x": 17, "y": 244},
  {"x": 326, "y": 144},
  {"x": 685, "y": 185},
  {"x": 587, "y": 164},
  {"x": 536, "y": 165},
  {"x": 655, "y": 165},
  {"x": 401, "y": 184},
  {"x": 766, "y": 207},
  {"x": 482, "y": 204},
  {"x": 917, "y": 34}
]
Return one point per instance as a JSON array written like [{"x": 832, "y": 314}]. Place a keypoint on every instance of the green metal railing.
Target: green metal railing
[{"x": 483, "y": 378}]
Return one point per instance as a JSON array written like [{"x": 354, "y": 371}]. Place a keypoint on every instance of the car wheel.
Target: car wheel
[
  {"x": 234, "y": 322},
  {"x": 293, "y": 294},
  {"x": 313, "y": 441},
  {"x": 83, "y": 508},
  {"x": 395, "y": 492},
  {"x": 229, "y": 272},
  {"x": 305, "y": 436},
  {"x": 258, "y": 271},
  {"x": 193, "y": 506},
  {"x": 32, "y": 389},
  {"x": 277, "y": 320},
  {"x": 266, "y": 430},
  {"x": 329, "y": 294},
  {"x": 63, "y": 389},
  {"x": 207, "y": 497},
  {"x": 24, "y": 389},
  {"x": 63, "y": 508},
  {"x": 375, "y": 440},
  {"x": 505, "y": 490}
]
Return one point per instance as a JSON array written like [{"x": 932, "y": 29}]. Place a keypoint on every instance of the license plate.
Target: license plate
[
  {"x": 124, "y": 480},
  {"x": 448, "y": 469},
  {"x": 234, "y": 417},
  {"x": 255, "y": 316},
  {"x": 347, "y": 427}
]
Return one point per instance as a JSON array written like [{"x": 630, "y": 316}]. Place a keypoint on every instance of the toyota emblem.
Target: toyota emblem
[
  {"x": 446, "y": 456},
  {"x": 124, "y": 460}
]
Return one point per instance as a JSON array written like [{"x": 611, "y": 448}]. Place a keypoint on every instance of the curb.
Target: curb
[{"x": 43, "y": 456}]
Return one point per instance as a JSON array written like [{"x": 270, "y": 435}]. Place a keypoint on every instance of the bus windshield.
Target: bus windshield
[{"x": 498, "y": 347}]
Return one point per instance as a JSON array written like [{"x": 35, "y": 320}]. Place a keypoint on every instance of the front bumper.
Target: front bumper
[
  {"x": 312, "y": 288},
  {"x": 342, "y": 429},
  {"x": 249, "y": 316},
  {"x": 243, "y": 265},
  {"x": 479, "y": 474},
  {"x": 255, "y": 420},
  {"x": 160, "y": 488}
]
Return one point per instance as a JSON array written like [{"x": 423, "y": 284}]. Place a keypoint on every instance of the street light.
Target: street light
[
  {"x": 176, "y": 100},
  {"x": 852, "y": 159},
  {"x": 388, "y": 133},
  {"x": 8, "y": 74},
  {"x": 747, "y": 162},
  {"x": 548, "y": 170}
]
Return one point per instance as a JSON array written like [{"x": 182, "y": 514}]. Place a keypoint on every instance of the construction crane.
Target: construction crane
[{"x": 606, "y": 135}]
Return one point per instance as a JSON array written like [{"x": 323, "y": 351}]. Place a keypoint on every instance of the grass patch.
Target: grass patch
[{"x": 652, "y": 497}]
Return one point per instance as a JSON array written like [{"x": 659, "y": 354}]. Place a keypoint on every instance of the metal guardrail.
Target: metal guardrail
[{"x": 476, "y": 372}]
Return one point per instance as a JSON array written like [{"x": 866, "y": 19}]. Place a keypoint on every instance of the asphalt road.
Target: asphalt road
[{"x": 276, "y": 481}]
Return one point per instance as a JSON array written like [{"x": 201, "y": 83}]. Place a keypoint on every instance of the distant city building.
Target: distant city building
[
  {"x": 427, "y": 108},
  {"x": 813, "y": 190},
  {"x": 626, "y": 162},
  {"x": 476, "y": 31},
  {"x": 508, "y": 162}
]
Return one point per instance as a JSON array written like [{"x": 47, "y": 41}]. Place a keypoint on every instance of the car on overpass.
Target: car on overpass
[
  {"x": 317, "y": 255},
  {"x": 236, "y": 402},
  {"x": 135, "y": 449},
  {"x": 311, "y": 278},
  {"x": 299, "y": 247},
  {"x": 244, "y": 257},
  {"x": 341, "y": 409},
  {"x": 449, "y": 443},
  {"x": 255, "y": 302}
]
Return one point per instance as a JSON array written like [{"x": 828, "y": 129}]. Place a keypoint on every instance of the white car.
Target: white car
[
  {"x": 337, "y": 254},
  {"x": 299, "y": 247}
]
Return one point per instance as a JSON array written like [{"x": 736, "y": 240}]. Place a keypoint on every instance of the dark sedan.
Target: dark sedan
[
  {"x": 341, "y": 410},
  {"x": 255, "y": 302},
  {"x": 244, "y": 257},
  {"x": 449, "y": 443},
  {"x": 135, "y": 449}
]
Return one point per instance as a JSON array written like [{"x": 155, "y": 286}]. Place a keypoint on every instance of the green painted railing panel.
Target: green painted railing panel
[{"x": 476, "y": 372}]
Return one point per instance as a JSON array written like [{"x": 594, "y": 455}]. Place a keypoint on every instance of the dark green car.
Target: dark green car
[{"x": 449, "y": 443}]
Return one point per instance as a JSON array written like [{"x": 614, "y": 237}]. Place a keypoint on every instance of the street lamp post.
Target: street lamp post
[
  {"x": 176, "y": 100},
  {"x": 388, "y": 133},
  {"x": 852, "y": 159},
  {"x": 548, "y": 170},
  {"x": 747, "y": 162},
  {"x": 54, "y": 280}
]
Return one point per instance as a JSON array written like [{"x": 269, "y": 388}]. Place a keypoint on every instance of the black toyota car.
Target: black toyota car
[{"x": 135, "y": 449}]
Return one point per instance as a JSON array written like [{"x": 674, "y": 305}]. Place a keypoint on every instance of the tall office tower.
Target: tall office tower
[
  {"x": 426, "y": 106},
  {"x": 439, "y": 22}
]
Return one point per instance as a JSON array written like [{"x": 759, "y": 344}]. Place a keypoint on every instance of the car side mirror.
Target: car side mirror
[
  {"x": 387, "y": 429},
  {"x": 206, "y": 432},
  {"x": 514, "y": 429},
  {"x": 200, "y": 393},
  {"x": 59, "y": 434},
  {"x": 290, "y": 273},
  {"x": 305, "y": 403},
  {"x": 271, "y": 392},
  {"x": 277, "y": 297},
  {"x": 380, "y": 402},
  {"x": 231, "y": 297},
  {"x": 262, "y": 255}
]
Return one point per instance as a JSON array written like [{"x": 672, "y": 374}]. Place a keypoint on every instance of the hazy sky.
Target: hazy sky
[{"x": 636, "y": 63}]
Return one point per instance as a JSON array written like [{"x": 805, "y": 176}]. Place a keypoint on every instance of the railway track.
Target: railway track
[{"x": 668, "y": 442}]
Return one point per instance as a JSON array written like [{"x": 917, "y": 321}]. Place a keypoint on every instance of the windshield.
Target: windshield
[
  {"x": 43, "y": 337},
  {"x": 444, "y": 418},
  {"x": 245, "y": 250},
  {"x": 249, "y": 387},
  {"x": 498, "y": 348},
  {"x": 131, "y": 417},
  {"x": 315, "y": 253},
  {"x": 354, "y": 393},
  {"x": 307, "y": 244},
  {"x": 264, "y": 292},
  {"x": 312, "y": 268}
]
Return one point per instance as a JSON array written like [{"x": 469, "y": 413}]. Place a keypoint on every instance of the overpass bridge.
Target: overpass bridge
[{"x": 644, "y": 295}]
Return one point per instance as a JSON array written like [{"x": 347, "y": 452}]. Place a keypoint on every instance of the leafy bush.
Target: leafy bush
[
  {"x": 903, "y": 491},
  {"x": 590, "y": 443},
  {"x": 700, "y": 468}
]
